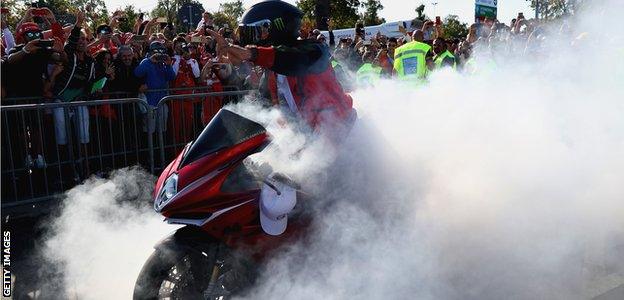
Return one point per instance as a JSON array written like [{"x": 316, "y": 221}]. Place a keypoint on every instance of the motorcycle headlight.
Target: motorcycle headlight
[{"x": 168, "y": 190}]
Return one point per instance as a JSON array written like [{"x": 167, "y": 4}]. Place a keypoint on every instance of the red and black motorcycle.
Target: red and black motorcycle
[{"x": 209, "y": 189}]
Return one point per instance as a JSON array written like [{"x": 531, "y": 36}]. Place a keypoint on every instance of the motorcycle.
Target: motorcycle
[{"x": 210, "y": 190}]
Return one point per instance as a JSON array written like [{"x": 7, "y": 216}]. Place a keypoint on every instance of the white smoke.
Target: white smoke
[
  {"x": 104, "y": 233},
  {"x": 502, "y": 185}
]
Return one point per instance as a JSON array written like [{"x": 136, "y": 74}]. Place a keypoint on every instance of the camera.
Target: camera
[{"x": 46, "y": 44}]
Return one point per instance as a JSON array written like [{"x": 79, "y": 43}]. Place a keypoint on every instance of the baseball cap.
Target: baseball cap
[{"x": 274, "y": 206}]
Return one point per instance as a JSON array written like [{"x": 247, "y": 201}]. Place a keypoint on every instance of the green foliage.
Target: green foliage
[
  {"x": 165, "y": 8},
  {"x": 453, "y": 28},
  {"x": 422, "y": 17},
  {"x": 344, "y": 13},
  {"x": 16, "y": 11},
  {"x": 553, "y": 9},
  {"x": 233, "y": 10},
  {"x": 132, "y": 14},
  {"x": 420, "y": 10},
  {"x": 371, "y": 14},
  {"x": 229, "y": 13}
]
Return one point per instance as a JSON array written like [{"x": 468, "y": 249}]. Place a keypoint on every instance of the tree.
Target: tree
[
  {"x": 308, "y": 7},
  {"x": 131, "y": 14},
  {"x": 344, "y": 13},
  {"x": 371, "y": 16},
  {"x": 422, "y": 17},
  {"x": 553, "y": 9},
  {"x": 453, "y": 28},
  {"x": 233, "y": 9},
  {"x": 229, "y": 13},
  {"x": 165, "y": 8},
  {"x": 420, "y": 10}
]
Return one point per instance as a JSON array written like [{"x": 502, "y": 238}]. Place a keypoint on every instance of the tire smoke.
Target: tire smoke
[
  {"x": 104, "y": 233},
  {"x": 506, "y": 184},
  {"x": 502, "y": 185}
]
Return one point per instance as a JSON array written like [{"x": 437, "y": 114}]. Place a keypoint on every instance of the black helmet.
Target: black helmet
[{"x": 270, "y": 22}]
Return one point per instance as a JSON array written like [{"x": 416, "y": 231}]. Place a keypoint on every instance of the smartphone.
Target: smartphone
[
  {"x": 438, "y": 20},
  {"x": 198, "y": 39},
  {"x": 366, "y": 43},
  {"x": 46, "y": 44}
]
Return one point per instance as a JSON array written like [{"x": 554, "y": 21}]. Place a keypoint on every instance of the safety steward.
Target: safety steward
[
  {"x": 443, "y": 58},
  {"x": 410, "y": 60},
  {"x": 369, "y": 73}
]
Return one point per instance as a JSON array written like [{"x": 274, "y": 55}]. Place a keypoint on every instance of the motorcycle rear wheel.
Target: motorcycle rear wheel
[{"x": 188, "y": 274}]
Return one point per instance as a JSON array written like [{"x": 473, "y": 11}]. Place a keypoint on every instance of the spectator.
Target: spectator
[
  {"x": 105, "y": 40},
  {"x": 124, "y": 79},
  {"x": 369, "y": 72},
  {"x": 205, "y": 22},
  {"x": 156, "y": 71},
  {"x": 74, "y": 82},
  {"x": 443, "y": 58},
  {"x": 187, "y": 73},
  {"x": 104, "y": 64},
  {"x": 8, "y": 41},
  {"x": 28, "y": 62}
]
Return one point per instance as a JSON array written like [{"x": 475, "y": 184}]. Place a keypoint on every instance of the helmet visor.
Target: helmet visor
[{"x": 254, "y": 33}]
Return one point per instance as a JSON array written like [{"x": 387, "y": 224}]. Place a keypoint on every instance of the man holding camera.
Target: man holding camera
[
  {"x": 104, "y": 40},
  {"x": 28, "y": 61}
]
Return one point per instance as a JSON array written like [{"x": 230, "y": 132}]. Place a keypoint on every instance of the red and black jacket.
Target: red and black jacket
[{"x": 312, "y": 81}]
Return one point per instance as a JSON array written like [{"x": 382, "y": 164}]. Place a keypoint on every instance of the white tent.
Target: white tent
[{"x": 388, "y": 29}]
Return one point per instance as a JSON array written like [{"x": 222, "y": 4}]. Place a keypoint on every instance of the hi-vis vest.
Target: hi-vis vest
[
  {"x": 410, "y": 60},
  {"x": 368, "y": 74},
  {"x": 440, "y": 58},
  {"x": 334, "y": 63}
]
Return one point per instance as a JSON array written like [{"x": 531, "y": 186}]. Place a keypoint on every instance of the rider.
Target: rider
[
  {"x": 299, "y": 72},
  {"x": 299, "y": 76}
]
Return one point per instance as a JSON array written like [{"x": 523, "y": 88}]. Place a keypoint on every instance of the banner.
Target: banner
[{"x": 485, "y": 9}]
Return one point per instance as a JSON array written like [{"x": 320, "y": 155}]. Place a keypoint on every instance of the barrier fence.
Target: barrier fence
[{"x": 48, "y": 148}]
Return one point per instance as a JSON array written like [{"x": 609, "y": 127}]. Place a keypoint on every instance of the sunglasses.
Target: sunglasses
[{"x": 33, "y": 35}]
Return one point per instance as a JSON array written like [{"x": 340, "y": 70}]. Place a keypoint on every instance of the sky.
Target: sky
[{"x": 394, "y": 10}]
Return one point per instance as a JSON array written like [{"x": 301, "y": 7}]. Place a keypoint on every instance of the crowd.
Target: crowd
[
  {"x": 412, "y": 56},
  {"x": 55, "y": 62},
  {"x": 44, "y": 61}
]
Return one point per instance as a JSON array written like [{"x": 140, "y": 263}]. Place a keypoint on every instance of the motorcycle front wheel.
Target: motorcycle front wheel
[{"x": 208, "y": 273}]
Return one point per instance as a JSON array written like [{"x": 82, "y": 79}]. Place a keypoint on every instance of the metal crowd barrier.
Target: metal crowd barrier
[
  {"x": 189, "y": 122},
  {"x": 114, "y": 95},
  {"x": 48, "y": 148}
]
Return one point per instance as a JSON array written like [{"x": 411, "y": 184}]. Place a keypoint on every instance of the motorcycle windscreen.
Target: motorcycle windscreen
[{"x": 225, "y": 130}]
